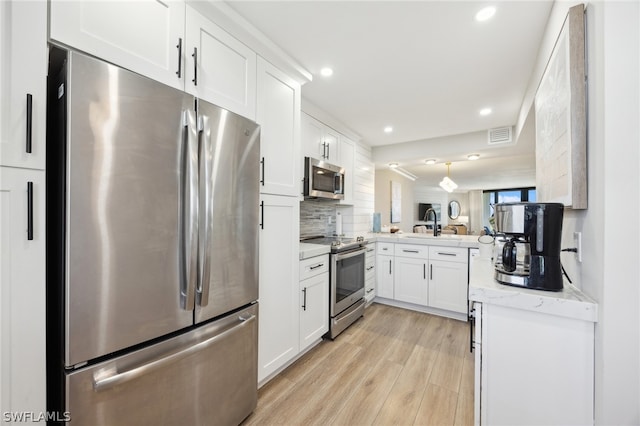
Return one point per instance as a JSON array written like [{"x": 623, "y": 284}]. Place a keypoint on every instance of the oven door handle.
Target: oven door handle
[{"x": 347, "y": 255}]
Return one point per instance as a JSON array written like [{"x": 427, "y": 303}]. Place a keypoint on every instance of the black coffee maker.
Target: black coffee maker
[{"x": 530, "y": 255}]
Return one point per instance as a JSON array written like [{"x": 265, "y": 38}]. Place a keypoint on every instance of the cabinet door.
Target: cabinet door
[
  {"x": 448, "y": 285},
  {"x": 23, "y": 83},
  {"x": 384, "y": 276},
  {"x": 146, "y": 37},
  {"x": 22, "y": 291},
  {"x": 278, "y": 114},
  {"x": 278, "y": 337},
  {"x": 314, "y": 309},
  {"x": 312, "y": 138},
  {"x": 347, "y": 160},
  {"x": 411, "y": 280},
  {"x": 332, "y": 142},
  {"x": 219, "y": 68}
]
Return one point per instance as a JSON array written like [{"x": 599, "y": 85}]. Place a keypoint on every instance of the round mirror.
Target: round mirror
[{"x": 454, "y": 209}]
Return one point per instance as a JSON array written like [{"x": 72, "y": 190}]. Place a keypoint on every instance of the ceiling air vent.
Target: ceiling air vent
[{"x": 499, "y": 135}]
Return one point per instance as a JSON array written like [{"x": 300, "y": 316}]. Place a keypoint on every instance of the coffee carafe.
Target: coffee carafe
[{"x": 531, "y": 238}]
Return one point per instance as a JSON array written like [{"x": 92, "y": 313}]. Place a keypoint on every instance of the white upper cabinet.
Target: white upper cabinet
[
  {"x": 319, "y": 141},
  {"x": 23, "y": 83},
  {"x": 278, "y": 114},
  {"x": 219, "y": 68},
  {"x": 146, "y": 37}
]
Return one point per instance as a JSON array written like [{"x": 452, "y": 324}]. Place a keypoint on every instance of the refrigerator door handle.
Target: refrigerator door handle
[
  {"x": 206, "y": 208},
  {"x": 189, "y": 214},
  {"x": 107, "y": 378}
]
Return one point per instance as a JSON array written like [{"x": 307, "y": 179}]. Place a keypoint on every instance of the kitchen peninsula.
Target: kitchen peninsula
[
  {"x": 534, "y": 352},
  {"x": 424, "y": 273}
]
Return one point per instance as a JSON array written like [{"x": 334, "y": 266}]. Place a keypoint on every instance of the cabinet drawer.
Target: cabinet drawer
[
  {"x": 449, "y": 254},
  {"x": 369, "y": 272},
  {"x": 412, "y": 250},
  {"x": 314, "y": 266},
  {"x": 385, "y": 248},
  {"x": 370, "y": 254}
]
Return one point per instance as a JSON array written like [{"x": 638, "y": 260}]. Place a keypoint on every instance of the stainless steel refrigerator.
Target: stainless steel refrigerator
[{"x": 152, "y": 258}]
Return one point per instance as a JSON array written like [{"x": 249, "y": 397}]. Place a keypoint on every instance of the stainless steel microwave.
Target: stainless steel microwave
[{"x": 323, "y": 180}]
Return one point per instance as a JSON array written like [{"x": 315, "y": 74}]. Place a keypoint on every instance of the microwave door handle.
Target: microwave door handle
[
  {"x": 206, "y": 209},
  {"x": 338, "y": 183},
  {"x": 189, "y": 214}
]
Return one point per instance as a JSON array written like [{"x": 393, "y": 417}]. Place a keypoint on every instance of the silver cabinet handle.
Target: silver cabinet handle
[
  {"x": 29, "y": 210},
  {"x": 195, "y": 66},
  {"x": 410, "y": 251},
  {"x": 100, "y": 382},
  {"x": 442, "y": 253},
  {"x": 370, "y": 250},
  {"x": 370, "y": 290},
  {"x": 370, "y": 268},
  {"x": 319, "y": 265}
]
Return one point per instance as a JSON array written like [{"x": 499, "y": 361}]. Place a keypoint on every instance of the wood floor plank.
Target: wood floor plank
[
  {"x": 438, "y": 407},
  {"x": 464, "y": 410},
  {"x": 401, "y": 406},
  {"x": 369, "y": 396},
  {"x": 447, "y": 372},
  {"x": 393, "y": 366}
]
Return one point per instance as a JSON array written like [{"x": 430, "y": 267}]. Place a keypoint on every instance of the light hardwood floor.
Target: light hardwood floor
[{"x": 393, "y": 366}]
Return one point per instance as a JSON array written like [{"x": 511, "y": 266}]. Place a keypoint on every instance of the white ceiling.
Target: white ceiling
[{"x": 424, "y": 67}]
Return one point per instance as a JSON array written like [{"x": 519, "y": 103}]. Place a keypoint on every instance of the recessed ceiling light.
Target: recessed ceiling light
[
  {"x": 486, "y": 13},
  {"x": 393, "y": 165},
  {"x": 326, "y": 72},
  {"x": 388, "y": 129},
  {"x": 485, "y": 111},
  {"x": 473, "y": 156},
  {"x": 430, "y": 161}
]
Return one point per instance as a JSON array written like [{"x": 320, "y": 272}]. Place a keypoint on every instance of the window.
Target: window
[{"x": 515, "y": 195}]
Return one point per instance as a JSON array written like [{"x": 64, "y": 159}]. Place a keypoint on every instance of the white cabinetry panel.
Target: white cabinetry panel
[
  {"x": 278, "y": 333},
  {"x": 22, "y": 292},
  {"x": 314, "y": 308},
  {"x": 23, "y": 83},
  {"x": 448, "y": 285},
  {"x": 219, "y": 68},
  {"x": 278, "y": 114},
  {"x": 410, "y": 280},
  {"x": 384, "y": 275},
  {"x": 146, "y": 37}
]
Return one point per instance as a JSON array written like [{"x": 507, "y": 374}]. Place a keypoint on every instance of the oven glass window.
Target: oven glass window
[
  {"x": 323, "y": 180},
  {"x": 349, "y": 276}
]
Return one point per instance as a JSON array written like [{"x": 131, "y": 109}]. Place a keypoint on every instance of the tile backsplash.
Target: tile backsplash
[{"x": 314, "y": 217}]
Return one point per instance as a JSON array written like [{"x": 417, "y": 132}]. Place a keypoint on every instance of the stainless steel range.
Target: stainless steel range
[{"x": 346, "y": 271}]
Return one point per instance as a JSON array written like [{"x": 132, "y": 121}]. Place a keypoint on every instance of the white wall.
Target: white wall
[
  {"x": 383, "y": 199},
  {"x": 611, "y": 235}
]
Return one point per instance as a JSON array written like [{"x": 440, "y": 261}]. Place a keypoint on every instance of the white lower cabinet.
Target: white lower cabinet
[
  {"x": 22, "y": 291},
  {"x": 411, "y": 280},
  {"x": 532, "y": 368},
  {"x": 314, "y": 300},
  {"x": 278, "y": 332},
  {"x": 384, "y": 276},
  {"x": 430, "y": 278},
  {"x": 448, "y": 285}
]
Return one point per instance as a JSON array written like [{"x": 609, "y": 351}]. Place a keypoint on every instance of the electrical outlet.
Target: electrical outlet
[
  {"x": 329, "y": 220},
  {"x": 577, "y": 239}
]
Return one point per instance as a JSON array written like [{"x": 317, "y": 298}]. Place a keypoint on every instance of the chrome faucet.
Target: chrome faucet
[{"x": 435, "y": 220}]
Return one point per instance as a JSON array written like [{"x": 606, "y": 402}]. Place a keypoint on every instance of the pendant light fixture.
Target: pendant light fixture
[{"x": 447, "y": 184}]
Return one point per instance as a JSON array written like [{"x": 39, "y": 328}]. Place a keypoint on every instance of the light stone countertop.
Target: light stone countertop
[
  {"x": 569, "y": 303},
  {"x": 426, "y": 239},
  {"x": 311, "y": 250}
]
